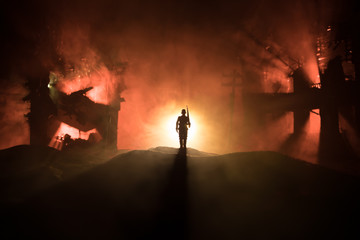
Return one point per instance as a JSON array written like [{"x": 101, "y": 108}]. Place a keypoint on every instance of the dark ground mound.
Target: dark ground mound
[
  {"x": 190, "y": 152},
  {"x": 150, "y": 194},
  {"x": 26, "y": 170}
]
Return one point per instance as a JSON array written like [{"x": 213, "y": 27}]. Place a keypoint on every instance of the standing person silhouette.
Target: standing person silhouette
[{"x": 182, "y": 124}]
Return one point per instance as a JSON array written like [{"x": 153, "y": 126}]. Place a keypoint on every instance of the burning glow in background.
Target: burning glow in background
[
  {"x": 164, "y": 132},
  {"x": 73, "y": 132},
  {"x": 14, "y": 129},
  {"x": 176, "y": 56}
]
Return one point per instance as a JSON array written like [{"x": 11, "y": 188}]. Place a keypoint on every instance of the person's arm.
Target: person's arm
[
  {"x": 177, "y": 125},
  {"x": 189, "y": 121}
]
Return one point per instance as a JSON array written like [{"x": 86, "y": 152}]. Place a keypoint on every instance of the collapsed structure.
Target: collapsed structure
[
  {"x": 50, "y": 108},
  {"x": 336, "y": 93}
]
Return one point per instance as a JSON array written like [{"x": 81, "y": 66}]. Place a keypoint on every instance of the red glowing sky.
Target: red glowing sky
[{"x": 177, "y": 55}]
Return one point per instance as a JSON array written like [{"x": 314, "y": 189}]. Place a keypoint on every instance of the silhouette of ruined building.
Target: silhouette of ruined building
[
  {"x": 50, "y": 107},
  {"x": 337, "y": 93}
]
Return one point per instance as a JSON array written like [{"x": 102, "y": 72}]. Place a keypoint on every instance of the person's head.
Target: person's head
[{"x": 183, "y": 112}]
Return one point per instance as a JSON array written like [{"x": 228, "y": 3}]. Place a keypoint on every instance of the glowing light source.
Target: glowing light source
[
  {"x": 73, "y": 132},
  {"x": 173, "y": 136},
  {"x": 164, "y": 131}
]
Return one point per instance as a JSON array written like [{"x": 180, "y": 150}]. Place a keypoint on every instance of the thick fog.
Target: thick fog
[{"x": 171, "y": 55}]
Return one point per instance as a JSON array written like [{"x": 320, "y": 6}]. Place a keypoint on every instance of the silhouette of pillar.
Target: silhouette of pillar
[
  {"x": 233, "y": 84},
  {"x": 111, "y": 132},
  {"x": 41, "y": 107},
  {"x": 331, "y": 83},
  {"x": 301, "y": 86}
]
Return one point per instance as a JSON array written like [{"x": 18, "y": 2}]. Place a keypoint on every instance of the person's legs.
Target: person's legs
[
  {"x": 180, "y": 141},
  {"x": 181, "y": 138},
  {"x": 185, "y": 138}
]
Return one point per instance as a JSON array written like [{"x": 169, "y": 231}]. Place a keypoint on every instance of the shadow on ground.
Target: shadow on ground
[{"x": 152, "y": 195}]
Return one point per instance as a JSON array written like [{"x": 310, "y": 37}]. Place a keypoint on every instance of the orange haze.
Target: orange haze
[{"x": 177, "y": 57}]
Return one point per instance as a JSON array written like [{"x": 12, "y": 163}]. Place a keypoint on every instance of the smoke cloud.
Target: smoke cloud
[
  {"x": 13, "y": 129},
  {"x": 177, "y": 54}
]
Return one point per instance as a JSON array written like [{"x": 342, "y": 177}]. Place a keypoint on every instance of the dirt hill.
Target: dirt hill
[{"x": 151, "y": 194}]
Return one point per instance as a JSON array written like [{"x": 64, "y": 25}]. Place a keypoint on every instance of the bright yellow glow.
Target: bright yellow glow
[
  {"x": 173, "y": 136},
  {"x": 164, "y": 131}
]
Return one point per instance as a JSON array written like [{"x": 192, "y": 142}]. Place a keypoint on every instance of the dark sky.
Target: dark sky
[{"x": 33, "y": 26}]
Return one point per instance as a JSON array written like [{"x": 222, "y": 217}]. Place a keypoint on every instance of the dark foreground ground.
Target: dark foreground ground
[{"x": 46, "y": 194}]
